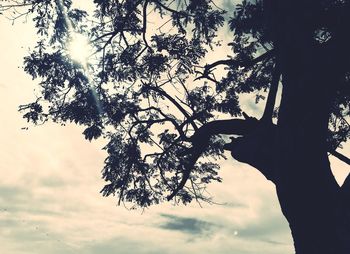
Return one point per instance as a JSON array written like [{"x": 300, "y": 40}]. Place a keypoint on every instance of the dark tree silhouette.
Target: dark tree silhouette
[{"x": 147, "y": 89}]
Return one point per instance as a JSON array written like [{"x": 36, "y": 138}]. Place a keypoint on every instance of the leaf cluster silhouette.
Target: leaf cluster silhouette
[{"x": 140, "y": 92}]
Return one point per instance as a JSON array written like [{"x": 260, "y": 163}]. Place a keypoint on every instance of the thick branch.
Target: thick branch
[
  {"x": 271, "y": 99},
  {"x": 340, "y": 156},
  {"x": 228, "y": 127},
  {"x": 235, "y": 63},
  {"x": 144, "y": 29},
  {"x": 245, "y": 127},
  {"x": 202, "y": 136}
]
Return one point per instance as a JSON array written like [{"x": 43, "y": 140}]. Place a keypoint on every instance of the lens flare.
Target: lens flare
[{"x": 79, "y": 48}]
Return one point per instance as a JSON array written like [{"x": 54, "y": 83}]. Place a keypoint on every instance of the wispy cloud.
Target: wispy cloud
[{"x": 191, "y": 226}]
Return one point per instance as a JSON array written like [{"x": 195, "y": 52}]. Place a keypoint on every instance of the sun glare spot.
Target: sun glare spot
[{"x": 79, "y": 48}]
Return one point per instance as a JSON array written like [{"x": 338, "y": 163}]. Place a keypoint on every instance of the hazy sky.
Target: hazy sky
[{"x": 50, "y": 183}]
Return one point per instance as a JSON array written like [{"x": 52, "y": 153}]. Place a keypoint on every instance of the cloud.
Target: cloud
[
  {"x": 263, "y": 228},
  {"x": 122, "y": 245},
  {"x": 271, "y": 230},
  {"x": 13, "y": 194},
  {"x": 53, "y": 182},
  {"x": 191, "y": 226}
]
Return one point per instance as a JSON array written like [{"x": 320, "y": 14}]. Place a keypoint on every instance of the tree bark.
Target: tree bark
[
  {"x": 309, "y": 196},
  {"x": 294, "y": 154},
  {"x": 307, "y": 191}
]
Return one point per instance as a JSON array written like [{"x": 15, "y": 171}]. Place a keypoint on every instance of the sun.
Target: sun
[{"x": 79, "y": 48}]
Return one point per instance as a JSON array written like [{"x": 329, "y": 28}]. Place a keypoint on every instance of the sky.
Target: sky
[{"x": 51, "y": 178}]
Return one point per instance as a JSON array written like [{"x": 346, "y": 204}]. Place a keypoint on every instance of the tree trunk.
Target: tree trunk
[
  {"x": 309, "y": 196},
  {"x": 308, "y": 193},
  {"x": 294, "y": 154}
]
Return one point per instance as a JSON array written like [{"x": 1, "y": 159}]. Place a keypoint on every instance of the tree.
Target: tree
[{"x": 148, "y": 90}]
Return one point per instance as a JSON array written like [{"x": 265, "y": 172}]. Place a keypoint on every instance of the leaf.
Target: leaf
[{"x": 92, "y": 132}]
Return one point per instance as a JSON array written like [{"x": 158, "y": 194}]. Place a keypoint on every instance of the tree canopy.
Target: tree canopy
[{"x": 149, "y": 89}]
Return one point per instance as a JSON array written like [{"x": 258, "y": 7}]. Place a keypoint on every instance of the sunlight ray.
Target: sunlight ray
[{"x": 79, "y": 49}]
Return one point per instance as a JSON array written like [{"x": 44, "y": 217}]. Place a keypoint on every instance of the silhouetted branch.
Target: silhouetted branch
[
  {"x": 195, "y": 153},
  {"x": 15, "y": 5},
  {"x": 180, "y": 13},
  {"x": 340, "y": 156},
  {"x": 145, "y": 24},
  {"x": 201, "y": 139},
  {"x": 104, "y": 35},
  {"x": 232, "y": 63},
  {"x": 271, "y": 99},
  {"x": 171, "y": 99},
  {"x": 228, "y": 127},
  {"x": 166, "y": 118},
  {"x": 120, "y": 29},
  {"x": 14, "y": 13}
]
